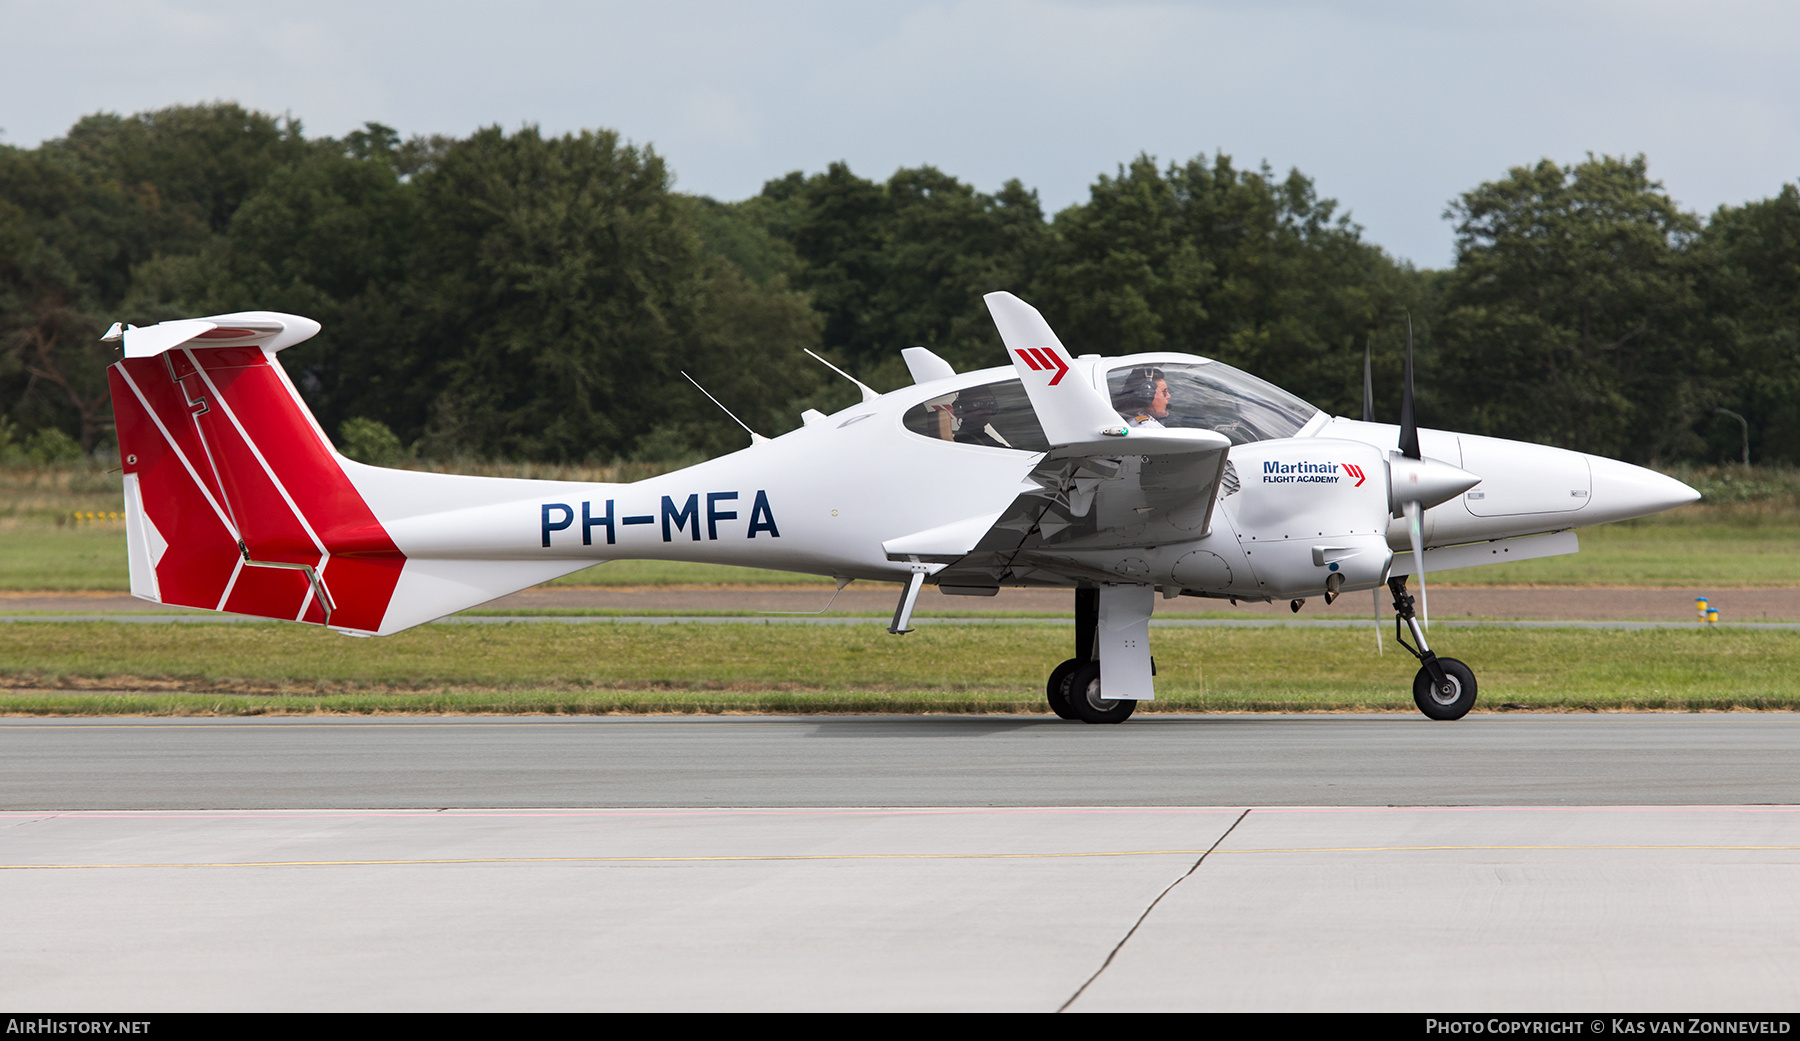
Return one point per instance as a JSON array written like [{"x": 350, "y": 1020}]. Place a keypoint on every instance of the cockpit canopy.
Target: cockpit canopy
[
  {"x": 998, "y": 415},
  {"x": 1212, "y": 396},
  {"x": 1204, "y": 395}
]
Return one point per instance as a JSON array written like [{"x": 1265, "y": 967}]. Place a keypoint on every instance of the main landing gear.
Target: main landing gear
[
  {"x": 1444, "y": 687},
  {"x": 1058, "y": 687},
  {"x": 1074, "y": 687},
  {"x": 1075, "y": 693}
]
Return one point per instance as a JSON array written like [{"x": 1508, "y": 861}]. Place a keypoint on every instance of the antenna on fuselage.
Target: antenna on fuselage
[
  {"x": 868, "y": 392},
  {"x": 755, "y": 438}
]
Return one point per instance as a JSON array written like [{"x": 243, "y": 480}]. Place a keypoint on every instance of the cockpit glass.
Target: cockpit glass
[
  {"x": 997, "y": 415},
  {"x": 1207, "y": 396}
]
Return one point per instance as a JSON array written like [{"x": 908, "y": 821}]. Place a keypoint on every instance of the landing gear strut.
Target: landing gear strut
[
  {"x": 1444, "y": 688},
  {"x": 1087, "y": 627}
]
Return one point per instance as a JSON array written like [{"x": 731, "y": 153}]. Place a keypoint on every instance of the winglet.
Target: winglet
[
  {"x": 1067, "y": 405},
  {"x": 926, "y": 366}
]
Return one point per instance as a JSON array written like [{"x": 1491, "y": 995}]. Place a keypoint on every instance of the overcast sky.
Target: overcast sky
[{"x": 1392, "y": 108}]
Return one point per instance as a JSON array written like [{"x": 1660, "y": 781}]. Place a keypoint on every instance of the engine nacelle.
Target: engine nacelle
[{"x": 1309, "y": 509}]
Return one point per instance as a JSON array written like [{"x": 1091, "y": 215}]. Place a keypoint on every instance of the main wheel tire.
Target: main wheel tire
[
  {"x": 1057, "y": 690},
  {"x": 1440, "y": 704},
  {"x": 1085, "y": 698}
]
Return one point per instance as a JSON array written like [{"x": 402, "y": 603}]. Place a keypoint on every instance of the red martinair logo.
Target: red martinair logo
[
  {"x": 1041, "y": 359},
  {"x": 1356, "y": 472}
]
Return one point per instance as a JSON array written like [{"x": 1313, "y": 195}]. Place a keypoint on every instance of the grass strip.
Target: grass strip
[{"x": 111, "y": 668}]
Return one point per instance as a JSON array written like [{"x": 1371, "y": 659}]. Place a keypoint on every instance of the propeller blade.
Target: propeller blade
[
  {"x": 1414, "y": 529},
  {"x": 1377, "y": 593},
  {"x": 1369, "y": 389},
  {"x": 1409, "y": 426}
]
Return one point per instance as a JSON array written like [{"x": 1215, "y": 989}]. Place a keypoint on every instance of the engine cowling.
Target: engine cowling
[{"x": 1309, "y": 509}]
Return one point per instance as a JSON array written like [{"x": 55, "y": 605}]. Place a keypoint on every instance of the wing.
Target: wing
[{"x": 1102, "y": 487}]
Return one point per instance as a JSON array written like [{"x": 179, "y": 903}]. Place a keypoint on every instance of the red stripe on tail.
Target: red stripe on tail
[
  {"x": 1052, "y": 360},
  {"x": 221, "y": 445}
]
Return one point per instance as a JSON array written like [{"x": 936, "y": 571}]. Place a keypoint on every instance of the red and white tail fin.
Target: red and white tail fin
[{"x": 236, "y": 501}]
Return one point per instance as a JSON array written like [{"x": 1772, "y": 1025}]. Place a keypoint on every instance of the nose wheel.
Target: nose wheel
[
  {"x": 1444, "y": 688},
  {"x": 1449, "y": 698}
]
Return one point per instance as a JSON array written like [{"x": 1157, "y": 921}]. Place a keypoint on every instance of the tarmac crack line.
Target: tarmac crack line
[{"x": 1114, "y": 953}]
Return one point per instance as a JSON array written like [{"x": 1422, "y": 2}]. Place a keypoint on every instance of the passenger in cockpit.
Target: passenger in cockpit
[{"x": 974, "y": 410}]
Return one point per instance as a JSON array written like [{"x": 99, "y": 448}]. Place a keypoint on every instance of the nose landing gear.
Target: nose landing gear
[{"x": 1444, "y": 688}]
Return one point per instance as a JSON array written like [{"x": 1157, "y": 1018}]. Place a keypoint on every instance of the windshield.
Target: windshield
[{"x": 1208, "y": 396}]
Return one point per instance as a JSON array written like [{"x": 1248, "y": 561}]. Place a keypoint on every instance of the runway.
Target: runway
[
  {"x": 1314, "y": 862},
  {"x": 815, "y": 761}
]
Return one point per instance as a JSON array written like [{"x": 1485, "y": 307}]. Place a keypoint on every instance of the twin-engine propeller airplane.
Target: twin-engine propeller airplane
[{"x": 1117, "y": 477}]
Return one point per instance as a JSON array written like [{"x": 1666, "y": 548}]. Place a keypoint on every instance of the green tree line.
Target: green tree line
[{"x": 538, "y": 298}]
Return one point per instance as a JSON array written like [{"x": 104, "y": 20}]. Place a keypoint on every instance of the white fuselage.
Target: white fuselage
[{"x": 824, "y": 498}]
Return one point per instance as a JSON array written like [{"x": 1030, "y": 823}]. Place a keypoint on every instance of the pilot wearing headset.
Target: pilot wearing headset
[{"x": 1143, "y": 401}]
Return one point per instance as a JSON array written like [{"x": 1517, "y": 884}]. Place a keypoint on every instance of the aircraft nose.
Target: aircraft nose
[{"x": 1622, "y": 491}]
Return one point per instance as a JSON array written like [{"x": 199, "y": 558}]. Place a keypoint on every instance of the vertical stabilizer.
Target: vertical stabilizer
[{"x": 234, "y": 499}]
